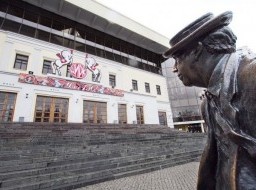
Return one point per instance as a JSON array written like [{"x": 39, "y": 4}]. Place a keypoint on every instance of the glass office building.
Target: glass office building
[{"x": 185, "y": 101}]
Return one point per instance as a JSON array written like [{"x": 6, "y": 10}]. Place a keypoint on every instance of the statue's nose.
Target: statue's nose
[{"x": 174, "y": 69}]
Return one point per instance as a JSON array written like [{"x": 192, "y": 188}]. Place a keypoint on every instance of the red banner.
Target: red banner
[{"x": 68, "y": 84}]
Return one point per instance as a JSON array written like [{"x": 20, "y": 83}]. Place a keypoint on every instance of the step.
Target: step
[
  {"x": 96, "y": 176},
  {"x": 79, "y": 180},
  {"x": 54, "y": 151},
  {"x": 72, "y": 156},
  {"x": 16, "y": 157},
  {"x": 96, "y": 166}
]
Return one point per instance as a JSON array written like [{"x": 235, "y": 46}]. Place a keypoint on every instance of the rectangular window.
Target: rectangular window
[
  {"x": 158, "y": 89},
  {"x": 21, "y": 62},
  {"x": 69, "y": 43},
  {"x": 147, "y": 87},
  {"x": 134, "y": 85},
  {"x": 31, "y": 16},
  {"x": 47, "y": 68},
  {"x": 27, "y": 31},
  {"x": 122, "y": 114},
  {"x": 80, "y": 46},
  {"x": 10, "y": 25},
  {"x": 56, "y": 39},
  {"x": 42, "y": 35},
  {"x": 112, "y": 80}
]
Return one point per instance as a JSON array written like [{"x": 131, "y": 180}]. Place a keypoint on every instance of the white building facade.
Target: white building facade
[{"x": 94, "y": 81}]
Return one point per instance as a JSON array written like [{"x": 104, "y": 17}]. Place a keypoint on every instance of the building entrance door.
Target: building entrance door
[
  {"x": 140, "y": 114},
  {"x": 122, "y": 114},
  {"x": 95, "y": 112},
  {"x": 51, "y": 109},
  {"x": 162, "y": 118},
  {"x": 7, "y": 105}
]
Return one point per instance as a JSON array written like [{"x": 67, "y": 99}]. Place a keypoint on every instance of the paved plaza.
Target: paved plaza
[{"x": 182, "y": 177}]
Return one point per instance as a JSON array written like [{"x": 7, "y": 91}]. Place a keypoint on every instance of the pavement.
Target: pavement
[{"x": 182, "y": 177}]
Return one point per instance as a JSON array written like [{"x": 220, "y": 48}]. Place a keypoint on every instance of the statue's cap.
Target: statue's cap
[{"x": 197, "y": 29}]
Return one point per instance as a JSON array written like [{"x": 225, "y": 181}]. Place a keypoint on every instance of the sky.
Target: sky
[{"x": 167, "y": 17}]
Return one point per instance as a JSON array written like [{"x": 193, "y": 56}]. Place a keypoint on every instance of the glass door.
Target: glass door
[
  {"x": 140, "y": 114},
  {"x": 162, "y": 118},
  {"x": 51, "y": 109},
  {"x": 122, "y": 114},
  {"x": 7, "y": 105},
  {"x": 95, "y": 112}
]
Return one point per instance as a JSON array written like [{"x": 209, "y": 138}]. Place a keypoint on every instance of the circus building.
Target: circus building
[{"x": 72, "y": 61}]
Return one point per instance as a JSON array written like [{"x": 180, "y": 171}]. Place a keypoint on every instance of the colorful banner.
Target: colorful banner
[{"x": 68, "y": 84}]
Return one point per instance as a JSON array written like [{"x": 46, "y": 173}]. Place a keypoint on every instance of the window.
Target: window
[
  {"x": 14, "y": 24},
  {"x": 47, "y": 68},
  {"x": 158, "y": 89},
  {"x": 21, "y": 62},
  {"x": 122, "y": 115},
  {"x": 162, "y": 118},
  {"x": 147, "y": 87},
  {"x": 31, "y": 16},
  {"x": 28, "y": 31},
  {"x": 112, "y": 80},
  {"x": 42, "y": 35},
  {"x": 57, "y": 33},
  {"x": 134, "y": 85}
]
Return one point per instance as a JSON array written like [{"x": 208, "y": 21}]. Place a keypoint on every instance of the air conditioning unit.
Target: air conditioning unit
[{"x": 21, "y": 119}]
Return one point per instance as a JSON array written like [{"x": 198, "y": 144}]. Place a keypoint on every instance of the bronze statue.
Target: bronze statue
[{"x": 206, "y": 56}]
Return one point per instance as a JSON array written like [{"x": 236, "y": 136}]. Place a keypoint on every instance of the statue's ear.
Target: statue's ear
[{"x": 199, "y": 50}]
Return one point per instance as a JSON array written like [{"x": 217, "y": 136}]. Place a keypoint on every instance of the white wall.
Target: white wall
[{"x": 25, "y": 105}]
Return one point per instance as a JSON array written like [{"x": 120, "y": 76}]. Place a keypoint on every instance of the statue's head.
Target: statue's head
[
  {"x": 194, "y": 46},
  {"x": 200, "y": 29}
]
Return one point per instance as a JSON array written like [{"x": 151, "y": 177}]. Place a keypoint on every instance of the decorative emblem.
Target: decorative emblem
[{"x": 77, "y": 70}]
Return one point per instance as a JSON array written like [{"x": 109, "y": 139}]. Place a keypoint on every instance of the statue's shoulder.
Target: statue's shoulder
[
  {"x": 246, "y": 56},
  {"x": 247, "y": 68}
]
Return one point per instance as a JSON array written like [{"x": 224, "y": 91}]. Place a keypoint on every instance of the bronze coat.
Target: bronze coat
[{"x": 229, "y": 158}]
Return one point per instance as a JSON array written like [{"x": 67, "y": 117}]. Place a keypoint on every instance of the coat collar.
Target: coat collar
[
  {"x": 222, "y": 71},
  {"x": 216, "y": 79}
]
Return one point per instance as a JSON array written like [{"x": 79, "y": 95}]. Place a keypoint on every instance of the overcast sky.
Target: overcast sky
[{"x": 167, "y": 17}]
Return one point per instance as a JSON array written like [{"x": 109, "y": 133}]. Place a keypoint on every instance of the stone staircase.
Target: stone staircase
[{"x": 68, "y": 156}]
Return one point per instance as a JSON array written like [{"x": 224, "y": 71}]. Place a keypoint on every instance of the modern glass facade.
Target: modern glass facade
[
  {"x": 22, "y": 18},
  {"x": 185, "y": 101}
]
